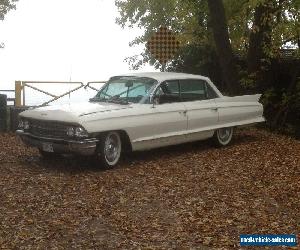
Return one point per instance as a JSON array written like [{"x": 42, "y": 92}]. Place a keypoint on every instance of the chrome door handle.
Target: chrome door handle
[
  {"x": 183, "y": 112},
  {"x": 215, "y": 109}
]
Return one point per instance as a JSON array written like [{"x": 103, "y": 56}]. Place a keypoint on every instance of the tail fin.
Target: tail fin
[{"x": 243, "y": 98}]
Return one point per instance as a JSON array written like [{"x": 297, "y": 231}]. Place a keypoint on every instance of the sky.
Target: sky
[{"x": 63, "y": 40}]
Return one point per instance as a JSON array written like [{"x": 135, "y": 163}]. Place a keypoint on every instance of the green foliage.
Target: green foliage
[
  {"x": 5, "y": 6},
  {"x": 247, "y": 81},
  {"x": 190, "y": 20},
  {"x": 269, "y": 96}
]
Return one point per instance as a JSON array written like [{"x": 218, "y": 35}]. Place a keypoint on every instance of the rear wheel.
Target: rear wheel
[
  {"x": 109, "y": 149},
  {"x": 223, "y": 136}
]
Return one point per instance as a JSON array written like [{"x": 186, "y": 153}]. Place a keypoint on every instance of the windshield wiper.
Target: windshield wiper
[
  {"x": 97, "y": 99},
  {"x": 117, "y": 99},
  {"x": 113, "y": 99}
]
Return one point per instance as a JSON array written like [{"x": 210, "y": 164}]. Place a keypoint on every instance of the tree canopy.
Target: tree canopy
[
  {"x": 278, "y": 20},
  {"x": 5, "y": 6}
]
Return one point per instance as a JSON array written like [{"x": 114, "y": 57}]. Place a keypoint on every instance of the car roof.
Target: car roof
[{"x": 163, "y": 76}]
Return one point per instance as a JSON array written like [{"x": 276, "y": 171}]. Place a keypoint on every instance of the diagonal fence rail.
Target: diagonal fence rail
[
  {"x": 20, "y": 87},
  {"x": 89, "y": 85}
]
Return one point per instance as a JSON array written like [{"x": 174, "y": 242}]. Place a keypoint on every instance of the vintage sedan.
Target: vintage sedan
[{"x": 139, "y": 111}]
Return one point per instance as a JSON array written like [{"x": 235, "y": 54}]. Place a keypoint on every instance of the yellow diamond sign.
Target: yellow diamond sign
[{"x": 163, "y": 45}]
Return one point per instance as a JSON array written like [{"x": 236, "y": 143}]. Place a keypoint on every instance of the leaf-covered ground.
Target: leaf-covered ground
[{"x": 191, "y": 196}]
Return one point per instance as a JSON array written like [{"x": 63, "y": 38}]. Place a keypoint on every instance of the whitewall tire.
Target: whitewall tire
[
  {"x": 223, "y": 136},
  {"x": 109, "y": 149}
]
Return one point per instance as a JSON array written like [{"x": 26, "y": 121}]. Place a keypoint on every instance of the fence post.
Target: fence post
[
  {"x": 18, "y": 93},
  {"x": 3, "y": 113}
]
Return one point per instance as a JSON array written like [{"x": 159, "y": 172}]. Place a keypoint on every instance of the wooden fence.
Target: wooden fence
[{"x": 10, "y": 107}]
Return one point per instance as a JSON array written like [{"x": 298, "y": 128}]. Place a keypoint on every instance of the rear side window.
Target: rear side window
[
  {"x": 196, "y": 90},
  {"x": 192, "y": 90},
  {"x": 211, "y": 94}
]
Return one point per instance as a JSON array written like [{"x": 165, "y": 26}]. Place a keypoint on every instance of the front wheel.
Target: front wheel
[
  {"x": 48, "y": 155},
  {"x": 223, "y": 136},
  {"x": 109, "y": 149}
]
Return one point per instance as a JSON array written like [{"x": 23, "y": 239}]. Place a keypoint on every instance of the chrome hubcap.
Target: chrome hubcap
[
  {"x": 224, "y": 134},
  {"x": 112, "y": 148}
]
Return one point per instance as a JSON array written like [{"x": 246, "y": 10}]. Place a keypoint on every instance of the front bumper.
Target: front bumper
[{"x": 63, "y": 146}]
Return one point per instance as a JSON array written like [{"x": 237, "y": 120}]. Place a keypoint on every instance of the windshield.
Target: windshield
[{"x": 125, "y": 90}]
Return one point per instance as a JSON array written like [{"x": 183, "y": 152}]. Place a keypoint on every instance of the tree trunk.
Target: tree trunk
[
  {"x": 279, "y": 118},
  {"x": 260, "y": 37},
  {"x": 223, "y": 46}
]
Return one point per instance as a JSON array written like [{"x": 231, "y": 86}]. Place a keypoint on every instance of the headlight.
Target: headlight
[
  {"x": 21, "y": 124},
  {"x": 24, "y": 124},
  {"x": 80, "y": 132},
  {"x": 70, "y": 131},
  {"x": 77, "y": 132}
]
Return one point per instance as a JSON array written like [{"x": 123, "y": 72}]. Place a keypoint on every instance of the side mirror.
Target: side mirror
[{"x": 156, "y": 99}]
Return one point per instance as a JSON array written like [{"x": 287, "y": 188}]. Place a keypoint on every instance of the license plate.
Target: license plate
[{"x": 47, "y": 147}]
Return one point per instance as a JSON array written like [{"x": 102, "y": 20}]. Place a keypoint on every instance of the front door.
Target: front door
[{"x": 164, "y": 122}]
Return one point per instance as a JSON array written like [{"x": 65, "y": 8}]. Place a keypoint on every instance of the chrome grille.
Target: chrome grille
[{"x": 48, "y": 129}]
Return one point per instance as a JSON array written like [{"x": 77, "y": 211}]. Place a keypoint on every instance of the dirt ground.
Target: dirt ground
[{"x": 191, "y": 196}]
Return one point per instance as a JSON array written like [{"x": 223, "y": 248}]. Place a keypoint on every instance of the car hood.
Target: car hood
[{"x": 71, "y": 112}]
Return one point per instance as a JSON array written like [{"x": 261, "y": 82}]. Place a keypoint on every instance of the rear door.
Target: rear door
[{"x": 202, "y": 112}]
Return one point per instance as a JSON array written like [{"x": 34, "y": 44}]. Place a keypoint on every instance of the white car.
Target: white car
[{"x": 139, "y": 111}]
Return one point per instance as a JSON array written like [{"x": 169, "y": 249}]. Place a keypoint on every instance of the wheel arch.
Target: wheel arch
[
  {"x": 125, "y": 140},
  {"x": 126, "y": 143}
]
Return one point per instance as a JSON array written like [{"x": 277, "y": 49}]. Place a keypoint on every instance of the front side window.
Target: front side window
[
  {"x": 126, "y": 89},
  {"x": 168, "y": 92}
]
